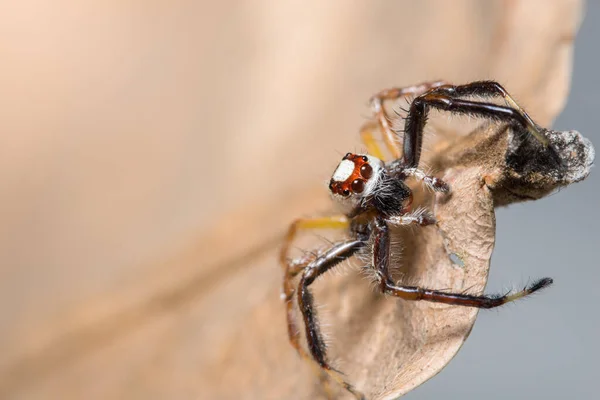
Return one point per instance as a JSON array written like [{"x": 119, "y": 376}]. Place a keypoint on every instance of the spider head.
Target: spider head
[{"x": 355, "y": 178}]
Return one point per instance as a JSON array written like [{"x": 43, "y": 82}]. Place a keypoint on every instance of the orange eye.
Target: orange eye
[
  {"x": 357, "y": 186},
  {"x": 366, "y": 171}
]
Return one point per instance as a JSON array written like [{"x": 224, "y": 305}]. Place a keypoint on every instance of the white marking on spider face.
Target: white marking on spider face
[{"x": 343, "y": 171}]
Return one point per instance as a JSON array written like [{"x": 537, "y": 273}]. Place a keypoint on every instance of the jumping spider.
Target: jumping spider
[{"x": 374, "y": 196}]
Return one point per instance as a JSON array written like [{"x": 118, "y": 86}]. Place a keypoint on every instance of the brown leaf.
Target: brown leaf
[{"x": 388, "y": 346}]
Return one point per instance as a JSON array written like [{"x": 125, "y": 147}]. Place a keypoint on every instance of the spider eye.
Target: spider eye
[
  {"x": 366, "y": 171},
  {"x": 347, "y": 156},
  {"x": 358, "y": 186},
  {"x": 346, "y": 192},
  {"x": 365, "y": 158}
]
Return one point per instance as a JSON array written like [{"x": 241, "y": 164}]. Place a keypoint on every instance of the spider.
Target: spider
[{"x": 373, "y": 196}]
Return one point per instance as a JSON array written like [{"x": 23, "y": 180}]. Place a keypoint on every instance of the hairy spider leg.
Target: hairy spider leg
[
  {"x": 316, "y": 345},
  {"x": 288, "y": 294},
  {"x": 381, "y": 259},
  {"x": 294, "y": 331},
  {"x": 493, "y": 89},
  {"x": 376, "y": 102},
  {"x": 419, "y": 108},
  {"x": 293, "y": 268},
  {"x": 331, "y": 222},
  {"x": 430, "y": 181},
  {"x": 412, "y": 144},
  {"x": 422, "y": 218}
]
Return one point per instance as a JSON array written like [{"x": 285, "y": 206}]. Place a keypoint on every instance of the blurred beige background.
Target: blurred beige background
[{"x": 145, "y": 145}]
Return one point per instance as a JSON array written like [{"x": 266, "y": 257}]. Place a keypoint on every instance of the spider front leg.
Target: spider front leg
[
  {"x": 493, "y": 89},
  {"x": 383, "y": 121},
  {"x": 381, "y": 259},
  {"x": 447, "y": 101},
  {"x": 316, "y": 344}
]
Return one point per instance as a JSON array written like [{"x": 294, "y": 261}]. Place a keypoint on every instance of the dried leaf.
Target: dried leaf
[{"x": 387, "y": 346}]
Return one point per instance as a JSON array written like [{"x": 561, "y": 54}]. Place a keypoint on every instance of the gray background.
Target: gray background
[{"x": 547, "y": 346}]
